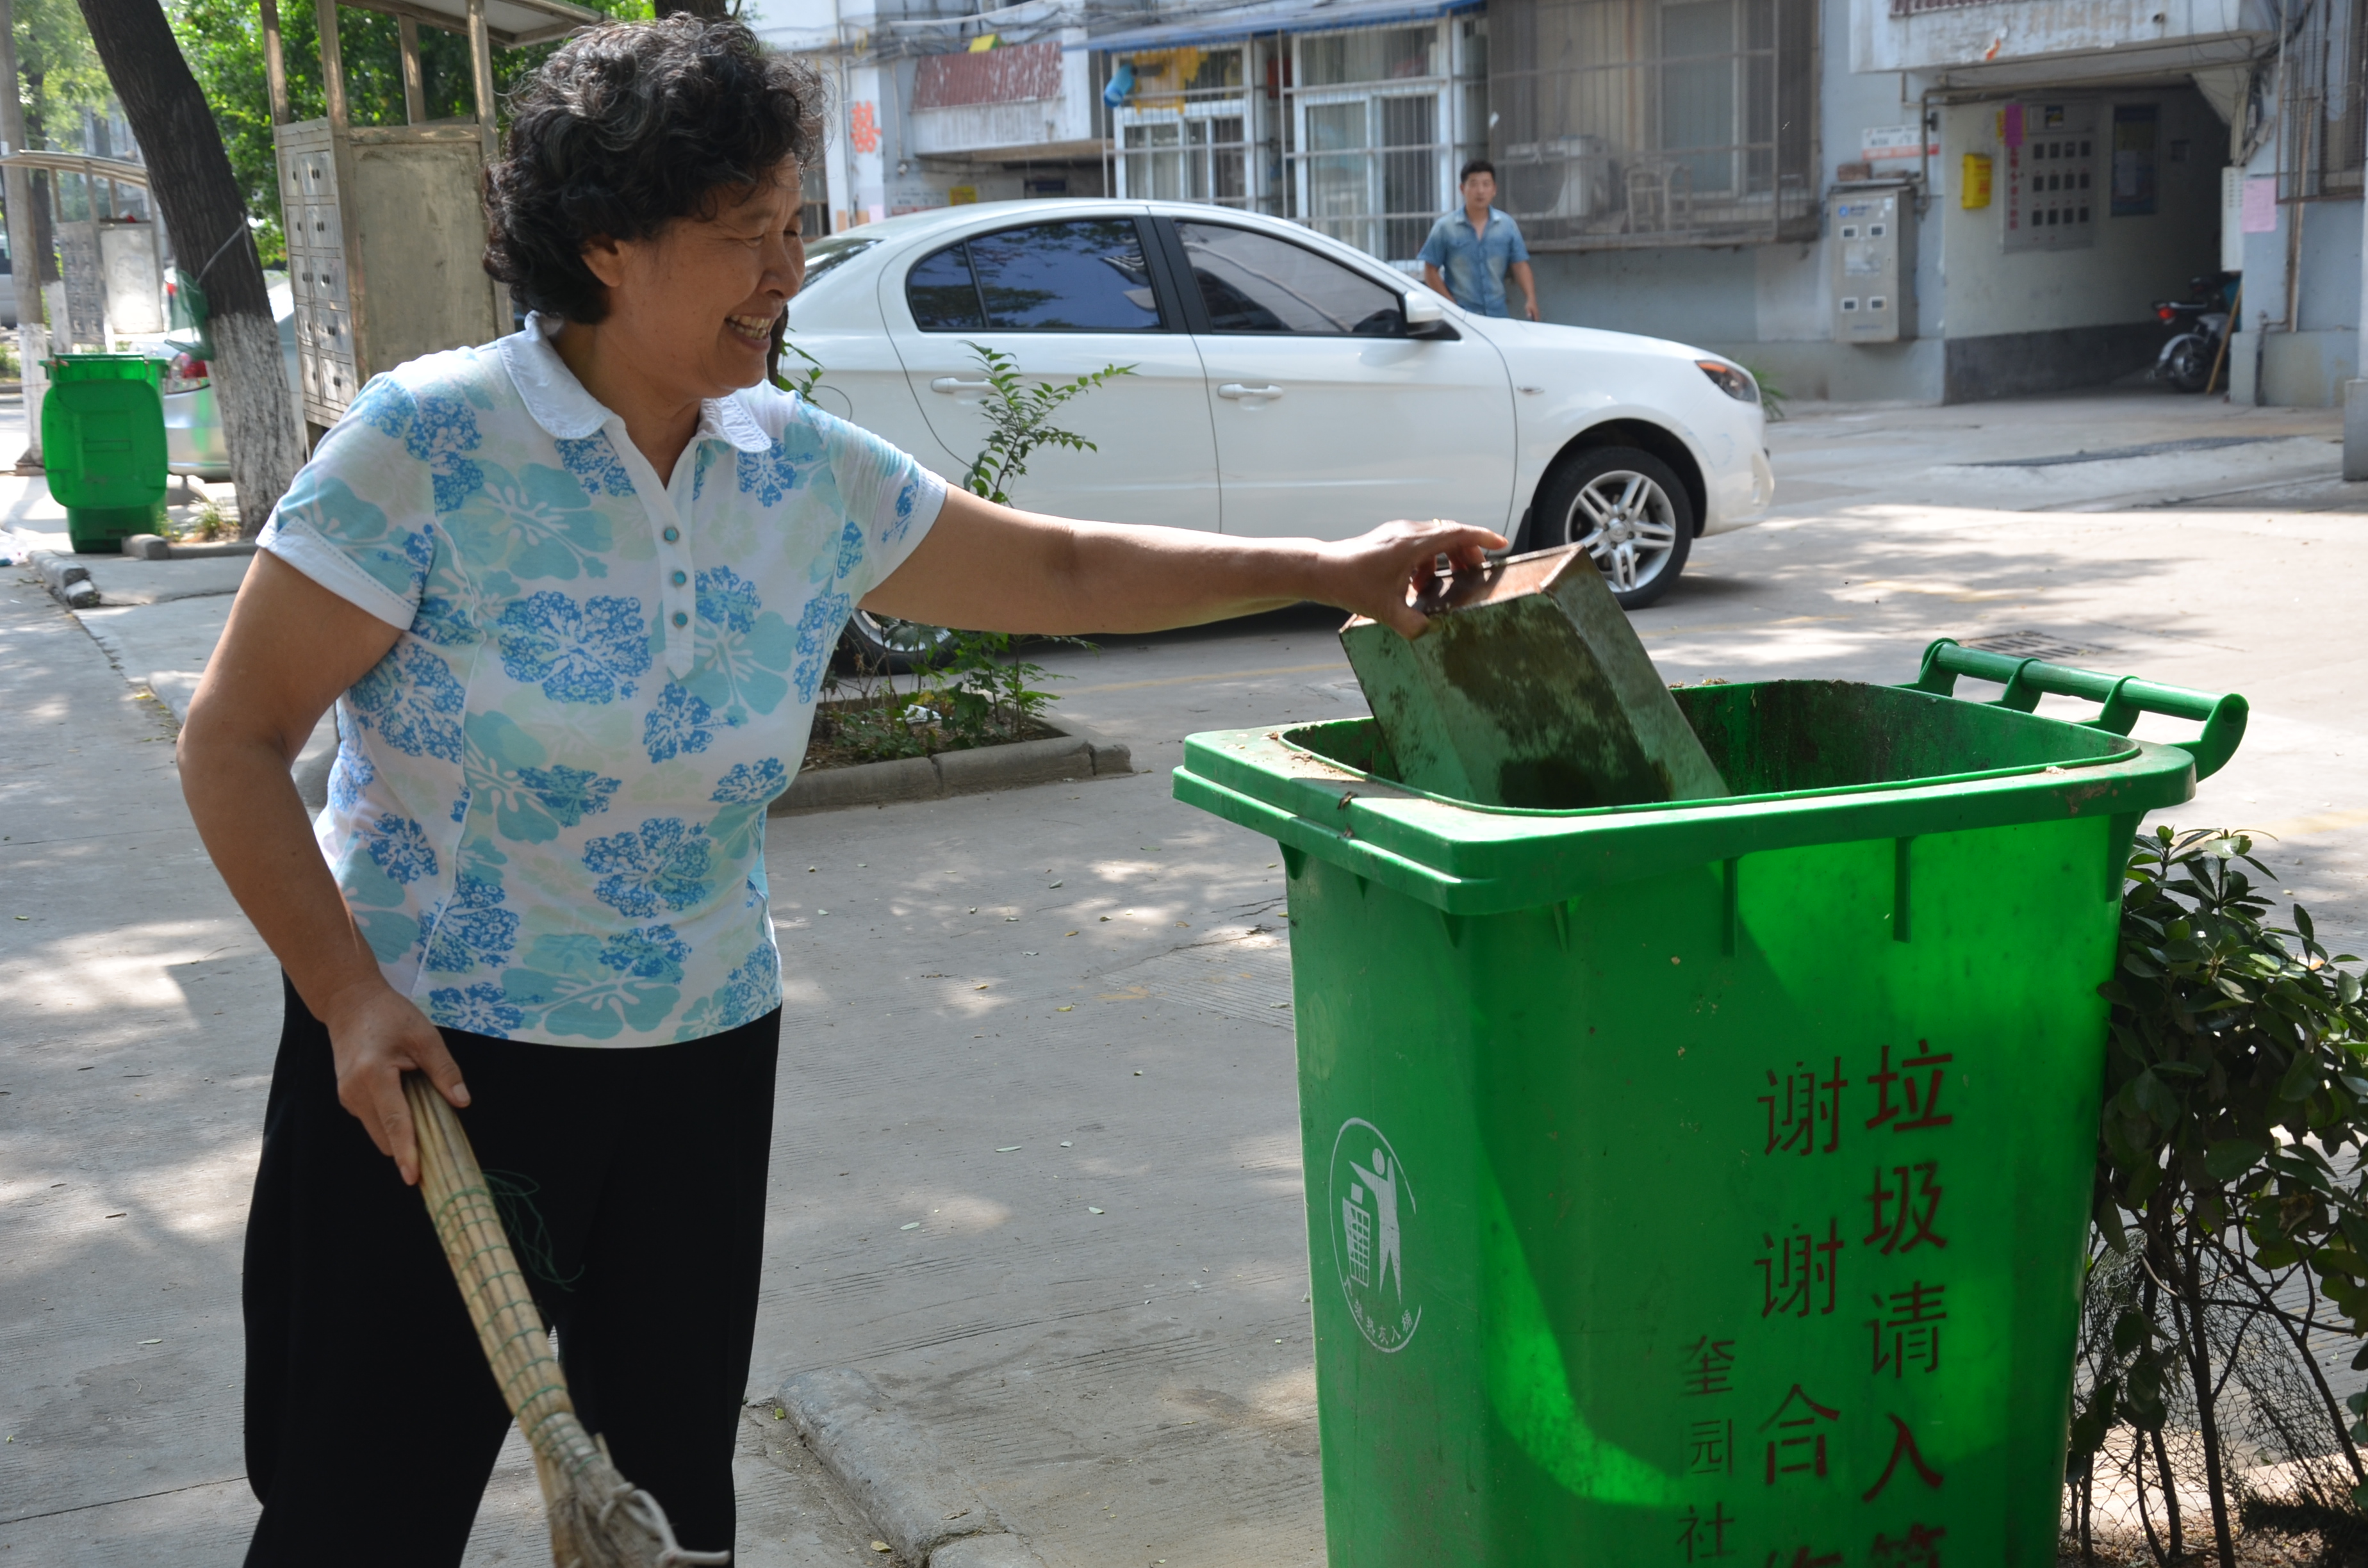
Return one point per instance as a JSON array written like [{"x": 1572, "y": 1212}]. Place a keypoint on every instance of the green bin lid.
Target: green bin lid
[
  {"x": 1811, "y": 762},
  {"x": 68, "y": 367}
]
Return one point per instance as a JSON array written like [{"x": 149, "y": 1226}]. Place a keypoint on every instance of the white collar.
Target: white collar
[{"x": 558, "y": 401}]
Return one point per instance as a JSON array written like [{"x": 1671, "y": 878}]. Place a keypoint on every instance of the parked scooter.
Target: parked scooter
[{"x": 2199, "y": 325}]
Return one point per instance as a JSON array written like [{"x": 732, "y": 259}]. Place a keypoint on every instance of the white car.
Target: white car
[
  {"x": 193, "y": 427},
  {"x": 1282, "y": 383}
]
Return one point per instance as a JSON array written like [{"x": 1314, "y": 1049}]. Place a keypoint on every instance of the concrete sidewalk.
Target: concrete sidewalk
[{"x": 1005, "y": 1012}]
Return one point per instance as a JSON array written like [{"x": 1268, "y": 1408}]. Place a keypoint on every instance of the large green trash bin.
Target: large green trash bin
[
  {"x": 1707, "y": 1182},
  {"x": 103, "y": 446}
]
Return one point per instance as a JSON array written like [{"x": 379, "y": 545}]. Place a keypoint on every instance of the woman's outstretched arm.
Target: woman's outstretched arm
[{"x": 996, "y": 569}]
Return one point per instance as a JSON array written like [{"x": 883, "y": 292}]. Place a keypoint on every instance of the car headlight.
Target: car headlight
[{"x": 1733, "y": 379}]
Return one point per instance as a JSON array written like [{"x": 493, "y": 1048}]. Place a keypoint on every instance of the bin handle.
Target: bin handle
[{"x": 2124, "y": 697}]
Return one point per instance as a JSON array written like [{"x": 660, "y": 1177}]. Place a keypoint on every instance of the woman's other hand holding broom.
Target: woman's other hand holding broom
[{"x": 378, "y": 1037}]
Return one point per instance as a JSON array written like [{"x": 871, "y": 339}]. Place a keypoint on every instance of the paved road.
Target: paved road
[{"x": 1005, "y": 1012}]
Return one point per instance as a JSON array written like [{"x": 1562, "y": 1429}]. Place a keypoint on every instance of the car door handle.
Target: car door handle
[
  {"x": 1235, "y": 389},
  {"x": 956, "y": 384}
]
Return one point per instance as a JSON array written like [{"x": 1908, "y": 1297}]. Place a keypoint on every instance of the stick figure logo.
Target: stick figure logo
[{"x": 1371, "y": 1201}]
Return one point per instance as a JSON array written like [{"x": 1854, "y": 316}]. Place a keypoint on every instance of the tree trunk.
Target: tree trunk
[
  {"x": 191, "y": 180},
  {"x": 2207, "y": 1418},
  {"x": 2151, "y": 1299},
  {"x": 2137, "y": 1480},
  {"x": 45, "y": 239}
]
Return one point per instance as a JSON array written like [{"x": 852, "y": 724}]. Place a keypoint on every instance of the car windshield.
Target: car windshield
[{"x": 828, "y": 256}]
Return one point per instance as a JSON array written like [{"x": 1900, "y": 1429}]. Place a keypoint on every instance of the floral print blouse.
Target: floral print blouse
[{"x": 547, "y": 812}]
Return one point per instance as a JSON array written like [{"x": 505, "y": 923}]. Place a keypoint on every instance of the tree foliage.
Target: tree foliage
[
  {"x": 1019, "y": 420},
  {"x": 61, "y": 71},
  {"x": 224, "y": 42},
  {"x": 2236, "y": 1114}
]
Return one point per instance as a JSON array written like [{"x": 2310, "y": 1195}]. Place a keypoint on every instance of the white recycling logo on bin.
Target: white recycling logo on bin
[{"x": 1371, "y": 1203}]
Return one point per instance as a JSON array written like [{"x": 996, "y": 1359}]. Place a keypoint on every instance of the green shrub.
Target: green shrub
[{"x": 2231, "y": 1218}]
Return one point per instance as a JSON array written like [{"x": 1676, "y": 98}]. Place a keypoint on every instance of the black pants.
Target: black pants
[{"x": 635, "y": 1197}]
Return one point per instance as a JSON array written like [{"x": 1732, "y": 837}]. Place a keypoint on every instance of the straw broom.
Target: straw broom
[{"x": 598, "y": 1520}]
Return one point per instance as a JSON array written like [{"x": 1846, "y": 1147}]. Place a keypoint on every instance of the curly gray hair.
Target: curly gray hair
[{"x": 627, "y": 128}]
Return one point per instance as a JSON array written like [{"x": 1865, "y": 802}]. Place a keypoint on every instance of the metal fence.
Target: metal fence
[{"x": 1634, "y": 123}]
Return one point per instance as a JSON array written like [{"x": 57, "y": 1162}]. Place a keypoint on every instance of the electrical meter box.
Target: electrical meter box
[{"x": 1869, "y": 235}]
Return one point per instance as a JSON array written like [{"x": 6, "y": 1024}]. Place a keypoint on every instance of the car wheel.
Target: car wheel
[
  {"x": 886, "y": 645},
  {"x": 1631, "y": 513}
]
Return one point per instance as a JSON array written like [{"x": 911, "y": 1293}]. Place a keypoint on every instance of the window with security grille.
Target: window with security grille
[
  {"x": 1184, "y": 135},
  {"x": 1356, "y": 132},
  {"x": 1630, "y": 123},
  {"x": 1379, "y": 119}
]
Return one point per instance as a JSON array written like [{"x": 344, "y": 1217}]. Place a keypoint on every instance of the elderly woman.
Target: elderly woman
[{"x": 572, "y": 594}]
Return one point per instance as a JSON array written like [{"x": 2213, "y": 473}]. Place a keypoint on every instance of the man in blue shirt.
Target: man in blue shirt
[{"x": 1477, "y": 249}]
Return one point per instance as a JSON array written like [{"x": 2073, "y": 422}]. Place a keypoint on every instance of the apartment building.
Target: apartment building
[{"x": 1940, "y": 200}]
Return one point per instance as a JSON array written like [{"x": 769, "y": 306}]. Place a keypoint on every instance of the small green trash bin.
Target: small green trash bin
[
  {"x": 103, "y": 444},
  {"x": 1708, "y": 1182}
]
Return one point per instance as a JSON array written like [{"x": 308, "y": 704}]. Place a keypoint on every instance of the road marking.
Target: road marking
[
  {"x": 1343, "y": 663},
  {"x": 2303, "y": 827},
  {"x": 1738, "y": 626},
  {"x": 1956, "y": 591},
  {"x": 1196, "y": 680}
]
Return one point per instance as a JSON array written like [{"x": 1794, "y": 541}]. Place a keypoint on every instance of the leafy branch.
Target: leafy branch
[
  {"x": 969, "y": 688},
  {"x": 807, "y": 378},
  {"x": 1018, "y": 420}
]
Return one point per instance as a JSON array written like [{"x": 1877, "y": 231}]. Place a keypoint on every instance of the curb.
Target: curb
[
  {"x": 1075, "y": 753},
  {"x": 920, "y": 1505},
  {"x": 68, "y": 579},
  {"x": 155, "y": 547}
]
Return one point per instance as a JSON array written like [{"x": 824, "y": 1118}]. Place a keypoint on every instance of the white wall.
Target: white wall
[
  {"x": 854, "y": 188},
  {"x": 2001, "y": 35}
]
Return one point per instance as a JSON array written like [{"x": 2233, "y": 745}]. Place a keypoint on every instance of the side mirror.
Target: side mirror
[{"x": 1426, "y": 317}]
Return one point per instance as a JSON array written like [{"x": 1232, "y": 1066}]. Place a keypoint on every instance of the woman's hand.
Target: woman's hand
[
  {"x": 1373, "y": 574},
  {"x": 377, "y": 1037}
]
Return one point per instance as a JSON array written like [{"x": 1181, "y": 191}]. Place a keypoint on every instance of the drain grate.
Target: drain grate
[
  {"x": 2030, "y": 645},
  {"x": 2112, "y": 454}
]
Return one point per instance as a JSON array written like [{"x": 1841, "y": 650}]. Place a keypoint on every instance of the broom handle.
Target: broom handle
[{"x": 509, "y": 1326}]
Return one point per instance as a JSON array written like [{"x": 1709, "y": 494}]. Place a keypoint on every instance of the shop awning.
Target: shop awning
[{"x": 1233, "y": 25}]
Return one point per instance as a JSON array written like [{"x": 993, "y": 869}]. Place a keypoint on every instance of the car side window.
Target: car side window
[
  {"x": 1084, "y": 276},
  {"x": 943, "y": 295},
  {"x": 1254, "y": 282}
]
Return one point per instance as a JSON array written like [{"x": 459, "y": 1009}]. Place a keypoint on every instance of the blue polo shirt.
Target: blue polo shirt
[{"x": 1475, "y": 263}]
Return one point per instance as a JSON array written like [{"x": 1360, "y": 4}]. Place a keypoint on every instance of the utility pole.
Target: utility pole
[
  {"x": 25, "y": 265},
  {"x": 2355, "y": 392}
]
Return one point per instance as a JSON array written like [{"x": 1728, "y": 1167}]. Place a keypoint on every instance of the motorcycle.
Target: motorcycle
[{"x": 2199, "y": 325}]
